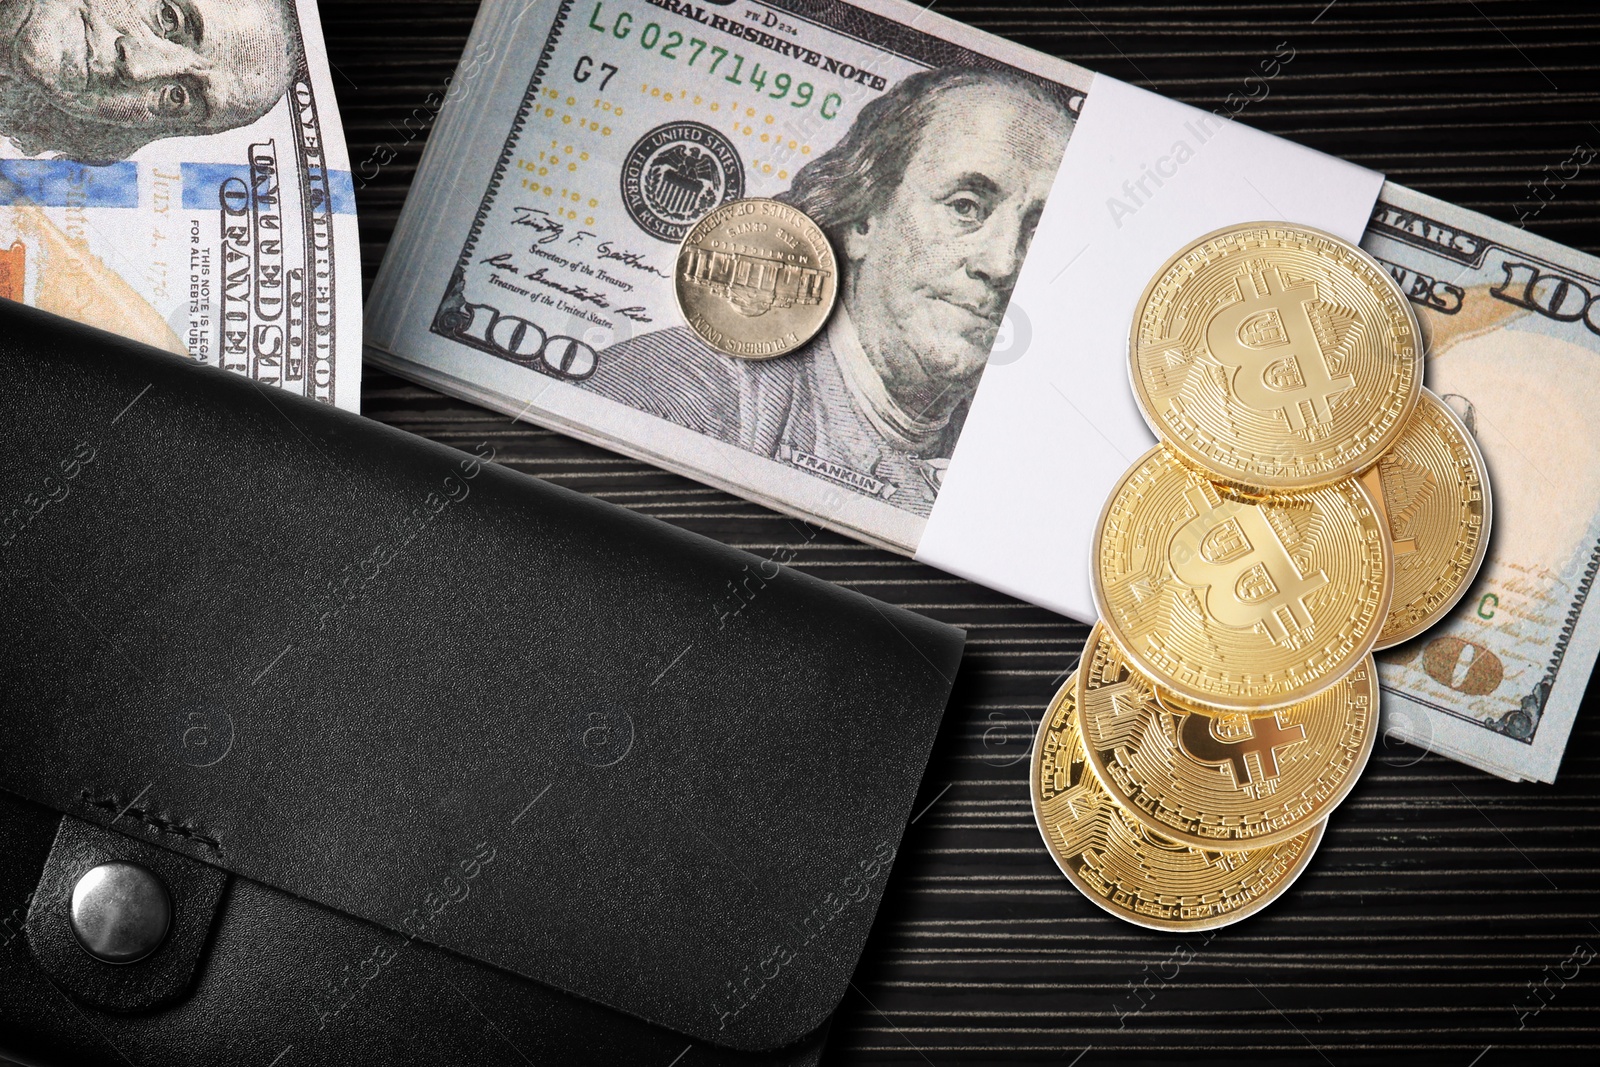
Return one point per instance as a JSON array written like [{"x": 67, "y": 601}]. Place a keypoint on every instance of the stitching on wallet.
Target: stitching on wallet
[{"x": 155, "y": 822}]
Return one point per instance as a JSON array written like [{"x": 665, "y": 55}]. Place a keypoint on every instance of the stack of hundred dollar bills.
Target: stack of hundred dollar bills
[
  {"x": 177, "y": 173},
  {"x": 532, "y": 272}
]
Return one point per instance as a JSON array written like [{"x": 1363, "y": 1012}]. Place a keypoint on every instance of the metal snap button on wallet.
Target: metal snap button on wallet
[{"x": 120, "y": 912}]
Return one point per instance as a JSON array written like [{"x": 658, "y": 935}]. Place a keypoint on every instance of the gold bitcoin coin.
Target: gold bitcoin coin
[
  {"x": 1275, "y": 357},
  {"x": 1433, "y": 489},
  {"x": 1221, "y": 780},
  {"x": 756, "y": 279},
  {"x": 1236, "y": 602},
  {"x": 1127, "y": 869}
]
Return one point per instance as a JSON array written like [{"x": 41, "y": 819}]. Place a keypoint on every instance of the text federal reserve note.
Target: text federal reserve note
[
  {"x": 1514, "y": 348},
  {"x": 176, "y": 172}
]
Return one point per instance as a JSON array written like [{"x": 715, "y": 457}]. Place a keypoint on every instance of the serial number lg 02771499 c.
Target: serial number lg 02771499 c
[{"x": 674, "y": 47}]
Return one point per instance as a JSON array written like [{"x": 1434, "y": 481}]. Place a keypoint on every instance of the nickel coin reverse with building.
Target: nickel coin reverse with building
[{"x": 756, "y": 279}]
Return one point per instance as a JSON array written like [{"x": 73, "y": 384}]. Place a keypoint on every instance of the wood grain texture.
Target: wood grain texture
[{"x": 1441, "y": 896}]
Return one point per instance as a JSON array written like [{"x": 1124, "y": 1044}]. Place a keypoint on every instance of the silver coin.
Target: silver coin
[{"x": 756, "y": 279}]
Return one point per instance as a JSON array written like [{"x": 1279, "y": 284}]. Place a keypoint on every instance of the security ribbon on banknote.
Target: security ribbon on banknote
[
  {"x": 176, "y": 172},
  {"x": 981, "y": 200}
]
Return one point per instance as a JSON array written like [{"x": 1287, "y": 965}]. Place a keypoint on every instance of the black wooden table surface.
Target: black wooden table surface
[{"x": 1448, "y": 915}]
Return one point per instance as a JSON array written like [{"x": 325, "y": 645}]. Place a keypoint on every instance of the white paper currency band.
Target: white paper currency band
[{"x": 1053, "y": 423}]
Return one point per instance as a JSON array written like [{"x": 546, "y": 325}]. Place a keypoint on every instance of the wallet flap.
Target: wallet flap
[{"x": 515, "y": 722}]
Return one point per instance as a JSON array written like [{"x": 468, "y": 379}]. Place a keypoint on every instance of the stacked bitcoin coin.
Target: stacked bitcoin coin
[{"x": 1309, "y": 503}]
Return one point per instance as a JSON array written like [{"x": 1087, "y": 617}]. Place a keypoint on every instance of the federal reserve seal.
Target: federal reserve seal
[{"x": 677, "y": 173}]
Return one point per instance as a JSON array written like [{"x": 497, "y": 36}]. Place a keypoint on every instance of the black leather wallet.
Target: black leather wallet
[{"x": 431, "y": 761}]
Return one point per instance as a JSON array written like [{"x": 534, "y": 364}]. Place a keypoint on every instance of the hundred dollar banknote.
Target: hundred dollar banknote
[
  {"x": 531, "y": 271},
  {"x": 1513, "y": 323},
  {"x": 638, "y": 118},
  {"x": 175, "y": 171}
]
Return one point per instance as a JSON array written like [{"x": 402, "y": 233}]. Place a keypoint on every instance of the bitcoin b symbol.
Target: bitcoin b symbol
[
  {"x": 1197, "y": 736},
  {"x": 1270, "y": 344},
  {"x": 1240, "y": 566}
]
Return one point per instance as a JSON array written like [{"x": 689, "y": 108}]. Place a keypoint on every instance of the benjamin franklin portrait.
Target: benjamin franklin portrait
[
  {"x": 96, "y": 80},
  {"x": 930, "y": 201}
]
